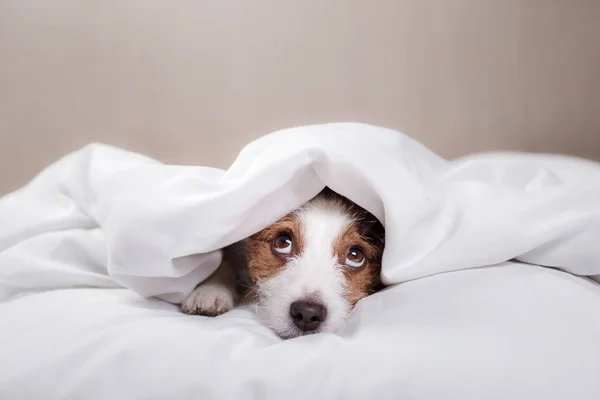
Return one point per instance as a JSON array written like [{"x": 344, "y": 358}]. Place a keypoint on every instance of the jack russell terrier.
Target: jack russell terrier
[{"x": 304, "y": 273}]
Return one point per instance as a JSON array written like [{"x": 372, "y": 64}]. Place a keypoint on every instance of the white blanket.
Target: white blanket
[{"x": 85, "y": 245}]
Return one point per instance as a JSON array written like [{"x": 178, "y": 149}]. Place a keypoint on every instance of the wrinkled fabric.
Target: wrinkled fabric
[{"x": 89, "y": 243}]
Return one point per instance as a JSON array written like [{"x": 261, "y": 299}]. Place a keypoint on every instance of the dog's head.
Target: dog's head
[{"x": 311, "y": 267}]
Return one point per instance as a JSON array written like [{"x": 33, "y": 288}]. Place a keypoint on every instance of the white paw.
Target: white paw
[{"x": 210, "y": 300}]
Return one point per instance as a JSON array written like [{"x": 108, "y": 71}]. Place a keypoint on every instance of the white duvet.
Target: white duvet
[{"x": 97, "y": 250}]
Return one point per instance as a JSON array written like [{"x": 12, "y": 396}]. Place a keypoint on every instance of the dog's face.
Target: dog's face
[{"x": 311, "y": 267}]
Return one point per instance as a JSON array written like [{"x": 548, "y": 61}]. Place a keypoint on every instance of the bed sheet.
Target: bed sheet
[
  {"x": 511, "y": 331},
  {"x": 492, "y": 262}
]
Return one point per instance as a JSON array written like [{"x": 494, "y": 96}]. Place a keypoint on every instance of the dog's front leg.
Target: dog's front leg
[{"x": 216, "y": 295}]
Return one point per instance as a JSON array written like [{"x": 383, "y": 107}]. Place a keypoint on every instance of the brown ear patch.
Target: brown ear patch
[{"x": 263, "y": 261}]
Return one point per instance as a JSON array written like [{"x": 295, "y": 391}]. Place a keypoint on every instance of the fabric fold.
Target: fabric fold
[{"x": 162, "y": 227}]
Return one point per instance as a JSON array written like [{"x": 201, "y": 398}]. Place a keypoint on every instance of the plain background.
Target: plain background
[{"x": 191, "y": 82}]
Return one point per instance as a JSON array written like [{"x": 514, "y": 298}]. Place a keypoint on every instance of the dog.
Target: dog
[{"x": 304, "y": 273}]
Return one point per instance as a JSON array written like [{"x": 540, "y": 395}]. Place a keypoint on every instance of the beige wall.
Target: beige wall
[{"x": 192, "y": 81}]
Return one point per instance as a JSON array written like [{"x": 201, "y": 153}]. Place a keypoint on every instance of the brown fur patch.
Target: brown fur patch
[
  {"x": 263, "y": 261},
  {"x": 367, "y": 234}
]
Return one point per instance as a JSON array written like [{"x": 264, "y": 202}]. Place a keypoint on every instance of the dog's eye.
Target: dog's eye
[
  {"x": 355, "y": 257},
  {"x": 283, "y": 243}
]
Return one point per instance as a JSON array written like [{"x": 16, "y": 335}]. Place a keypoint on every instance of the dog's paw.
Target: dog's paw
[{"x": 209, "y": 300}]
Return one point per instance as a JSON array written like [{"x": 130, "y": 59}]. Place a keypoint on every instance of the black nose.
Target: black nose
[{"x": 308, "y": 315}]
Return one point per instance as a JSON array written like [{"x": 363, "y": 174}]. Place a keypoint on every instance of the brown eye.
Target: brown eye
[
  {"x": 355, "y": 257},
  {"x": 283, "y": 243}
]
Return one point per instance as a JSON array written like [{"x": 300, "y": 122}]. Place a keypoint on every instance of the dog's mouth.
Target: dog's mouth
[
  {"x": 291, "y": 331},
  {"x": 288, "y": 335}
]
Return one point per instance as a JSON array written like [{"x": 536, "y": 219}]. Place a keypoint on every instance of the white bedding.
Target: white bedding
[{"x": 85, "y": 245}]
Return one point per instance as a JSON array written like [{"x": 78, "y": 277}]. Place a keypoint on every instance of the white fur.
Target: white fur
[
  {"x": 315, "y": 273},
  {"x": 215, "y": 295},
  {"x": 212, "y": 299}
]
